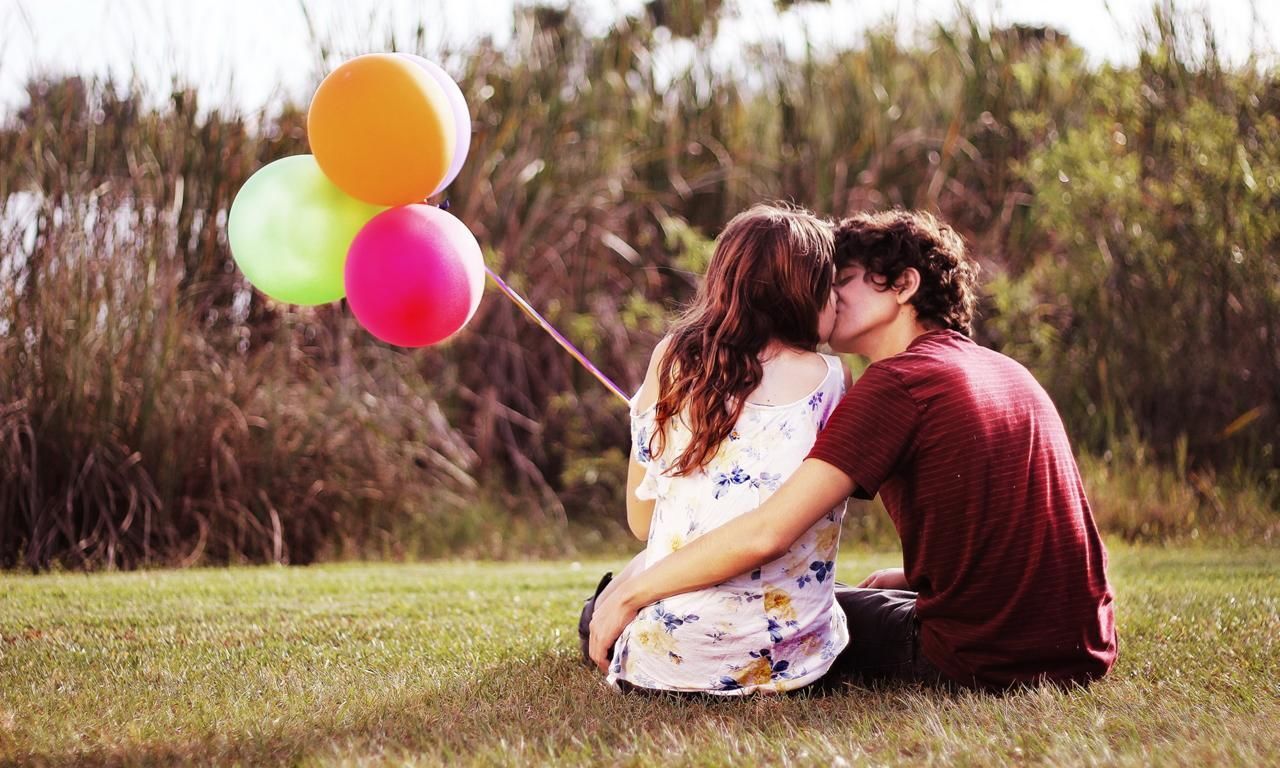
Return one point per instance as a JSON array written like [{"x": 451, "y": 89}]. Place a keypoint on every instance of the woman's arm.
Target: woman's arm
[
  {"x": 732, "y": 549},
  {"x": 635, "y": 566},
  {"x": 640, "y": 511}
]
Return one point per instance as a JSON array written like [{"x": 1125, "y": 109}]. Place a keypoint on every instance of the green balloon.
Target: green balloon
[{"x": 290, "y": 228}]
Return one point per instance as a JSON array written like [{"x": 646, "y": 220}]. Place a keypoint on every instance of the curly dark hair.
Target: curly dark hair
[{"x": 888, "y": 243}]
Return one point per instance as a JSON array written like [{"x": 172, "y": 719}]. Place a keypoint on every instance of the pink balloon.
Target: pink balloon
[
  {"x": 414, "y": 275},
  {"x": 461, "y": 117}
]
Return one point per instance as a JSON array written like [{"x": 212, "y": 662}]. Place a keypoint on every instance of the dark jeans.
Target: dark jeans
[{"x": 884, "y": 639}]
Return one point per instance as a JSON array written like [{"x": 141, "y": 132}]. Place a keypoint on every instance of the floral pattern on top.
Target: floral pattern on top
[{"x": 776, "y": 628}]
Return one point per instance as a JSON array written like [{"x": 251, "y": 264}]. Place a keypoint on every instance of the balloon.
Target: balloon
[
  {"x": 382, "y": 129},
  {"x": 414, "y": 275},
  {"x": 290, "y": 229},
  {"x": 461, "y": 117}
]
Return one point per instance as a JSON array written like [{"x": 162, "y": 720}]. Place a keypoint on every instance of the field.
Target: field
[{"x": 478, "y": 663}]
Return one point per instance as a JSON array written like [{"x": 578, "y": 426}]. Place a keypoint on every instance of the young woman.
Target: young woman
[{"x": 732, "y": 402}]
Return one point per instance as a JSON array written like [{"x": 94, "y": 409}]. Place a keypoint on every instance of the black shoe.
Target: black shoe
[{"x": 584, "y": 621}]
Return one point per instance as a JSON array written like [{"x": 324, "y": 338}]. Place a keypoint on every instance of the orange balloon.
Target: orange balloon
[{"x": 382, "y": 129}]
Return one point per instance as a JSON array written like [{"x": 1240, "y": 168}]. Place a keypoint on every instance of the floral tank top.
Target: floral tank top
[{"x": 776, "y": 628}]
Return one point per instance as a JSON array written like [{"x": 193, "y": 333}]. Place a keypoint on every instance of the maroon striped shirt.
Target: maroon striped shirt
[{"x": 972, "y": 462}]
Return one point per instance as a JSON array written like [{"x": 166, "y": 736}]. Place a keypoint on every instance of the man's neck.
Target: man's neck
[{"x": 895, "y": 339}]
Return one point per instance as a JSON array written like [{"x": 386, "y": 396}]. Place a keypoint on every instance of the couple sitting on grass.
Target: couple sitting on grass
[{"x": 747, "y": 443}]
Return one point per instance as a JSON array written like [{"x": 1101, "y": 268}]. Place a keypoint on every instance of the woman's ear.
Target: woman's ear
[{"x": 907, "y": 285}]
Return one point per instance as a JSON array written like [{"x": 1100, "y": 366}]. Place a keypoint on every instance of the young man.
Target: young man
[{"x": 1004, "y": 579}]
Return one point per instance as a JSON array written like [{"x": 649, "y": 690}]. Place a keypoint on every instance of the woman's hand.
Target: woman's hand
[
  {"x": 886, "y": 578},
  {"x": 612, "y": 615}
]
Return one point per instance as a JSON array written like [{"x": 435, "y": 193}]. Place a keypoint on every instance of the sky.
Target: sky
[{"x": 254, "y": 53}]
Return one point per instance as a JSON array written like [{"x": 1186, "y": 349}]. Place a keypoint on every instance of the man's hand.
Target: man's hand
[
  {"x": 610, "y": 618},
  {"x": 885, "y": 578}
]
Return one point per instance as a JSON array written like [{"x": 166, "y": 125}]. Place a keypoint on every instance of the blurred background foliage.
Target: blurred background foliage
[{"x": 155, "y": 410}]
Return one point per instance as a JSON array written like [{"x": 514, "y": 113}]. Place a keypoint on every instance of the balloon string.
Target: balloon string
[{"x": 560, "y": 339}]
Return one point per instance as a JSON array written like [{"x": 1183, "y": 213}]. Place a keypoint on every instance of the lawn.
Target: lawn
[{"x": 478, "y": 663}]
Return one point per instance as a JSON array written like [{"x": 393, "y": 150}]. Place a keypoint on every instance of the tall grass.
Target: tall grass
[
  {"x": 153, "y": 408},
  {"x": 1150, "y": 305}
]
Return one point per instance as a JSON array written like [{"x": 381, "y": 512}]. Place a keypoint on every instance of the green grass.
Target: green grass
[{"x": 479, "y": 663}]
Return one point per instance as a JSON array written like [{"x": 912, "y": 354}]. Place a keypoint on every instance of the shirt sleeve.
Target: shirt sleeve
[
  {"x": 870, "y": 431},
  {"x": 642, "y": 425}
]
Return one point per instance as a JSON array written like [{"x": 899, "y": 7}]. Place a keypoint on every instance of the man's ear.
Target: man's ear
[{"x": 907, "y": 284}]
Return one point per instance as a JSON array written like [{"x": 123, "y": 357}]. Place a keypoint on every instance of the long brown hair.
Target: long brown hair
[{"x": 768, "y": 280}]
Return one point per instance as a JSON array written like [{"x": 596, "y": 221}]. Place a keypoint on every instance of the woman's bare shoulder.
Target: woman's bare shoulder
[{"x": 790, "y": 376}]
